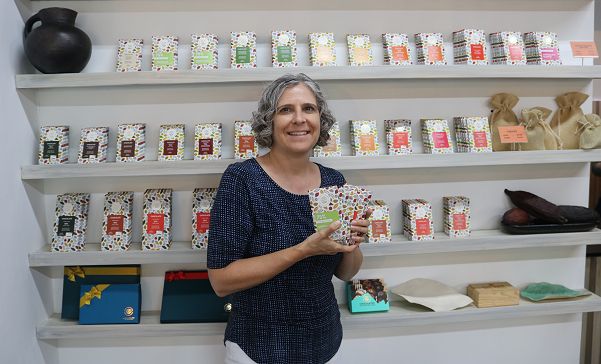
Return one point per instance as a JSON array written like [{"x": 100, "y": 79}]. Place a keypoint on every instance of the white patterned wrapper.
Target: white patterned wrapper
[
  {"x": 364, "y": 138},
  {"x": 54, "y": 145},
  {"x": 333, "y": 147},
  {"x": 93, "y": 145},
  {"x": 129, "y": 55},
  {"x": 456, "y": 211},
  {"x": 322, "y": 47},
  {"x": 359, "y": 50},
  {"x": 436, "y": 136},
  {"x": 398, "y": 136},
  {"x": 243, "y": 46},
  {"x": 70, "y": 222},
  {"x": 201, "y": 216},
  {"x": 469, "y": 47},
  {"x": 396, "y": 49},
  {"x": 131, "y": 143},
  {"x": 164, "y": 53},
  {"x": 157, "y": 220},
  {"x": 379, "y": 223},
  {"x": 245, "y": 143},
  {"x": 472, "y": 134},
  {"x": 117, "y": 221},
  {"x": 207, "y": 141},
  {"x": 507, "y": 48},
  {"x": 171, "y": 142},
  {"x": 417, "y": 219},
  {"x": 203, "y": 52},
  {"x": 430, "y": 49},
  {"x": 542, "y": 48},
  {"x": 326, "y": 206},
  {"x": 283, "y": 48}
]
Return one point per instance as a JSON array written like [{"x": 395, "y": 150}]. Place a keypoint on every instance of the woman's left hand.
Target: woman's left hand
[{"x": 359, "y": 229}]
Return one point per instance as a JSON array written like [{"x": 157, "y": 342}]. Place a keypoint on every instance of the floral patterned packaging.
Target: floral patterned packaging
[
  {"x": 379, "y": 223},
  {"x": 417, "y": 219},
  {"x": 469, "y": 47},
  {"x": 396, "y": 49},
  {"x": 245, "y": 144},
  {"x": 332, "y": 148},
  {"x": 456, "y": 216},
  {"x": 323, "y": 49},
  {"x": 364, "y": 137},
  {"x": 507, "y": 48},
  {"x": 129, "y": 55},
  {"x": 171, "y": 142},
  {"x": 472, "y": 134},
  {"x": 201, "y": 216},
  {"x": 360, "y": 52},
  {"x": 243, "y": 50},
  {"x": 71, "y": 221},
  {"x": 436, "y": 136},
  {"x": 207, "y": 141},
  {"x": 283, "y": 48},
  {"x": 204, "y": 52},
  {"x": 398, "y": 136},
  {"x": 542, "y": 48},
  {"x": 164, "y": 53},
  {"x": 54, "y": 145},
  {"x": 430, "y": 49},
  {"x": 157, "y": 220},
  {"x": 117, "y": 222},
  {"x": 93, "y": 145},
  {"x": 131, "y": 143}
]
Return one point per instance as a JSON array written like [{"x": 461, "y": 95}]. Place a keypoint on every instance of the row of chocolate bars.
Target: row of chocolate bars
[{"x": 469, "y": 47}]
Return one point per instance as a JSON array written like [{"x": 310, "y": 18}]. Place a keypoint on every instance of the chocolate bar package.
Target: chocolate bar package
[
  {"x": 456, "y": 216},
  {"x": 243, "y": 50},
  {"x": 398, "y": 136},
  {"x": 54, "y": 145},
  {"x": 430, "y": 49},
  {"x": 542, "y": 48},
  {"x": 157, "y": 220},
  {"x": 364, "y": 137},
  {"x": 204, "y": 52},
  {"x": 396, "y": 49},
  {"x": 283, "y": 48},
  {"x": 469, "y": 47},
  {"x": 164, "y": 53},
  {"x": 129, "y": 55},
  {"x": 171, "y": 142},
  {"x": 417, "y": 219},
  {"x": 93, "y": 145},
  {"x": 117, "y": 222},
  {"x": 201, "y": 216},
  {"x": 379, "y": 223},
  {"x": 323, "y": 49},
  {"x": 70, "y": 223},
  {"x": 207, "y": 141},
  {"x": 333, "y": 147},
  {"x": 360, "y": 52},
  {"x": 131, "y": 142},
  {"x": 472, "y": 134},
  {"x": 436, "y": 136},
  {"x": 507, "y": 48},
  {"x": 367, "y": 295},
  {"x": 245, "y": 145}
]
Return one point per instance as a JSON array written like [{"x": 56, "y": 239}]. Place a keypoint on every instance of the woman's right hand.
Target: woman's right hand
[{"x": 320, "y": 243}]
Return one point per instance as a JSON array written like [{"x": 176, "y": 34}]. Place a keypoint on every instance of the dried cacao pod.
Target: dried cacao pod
[{"x": 536, "y": 206}]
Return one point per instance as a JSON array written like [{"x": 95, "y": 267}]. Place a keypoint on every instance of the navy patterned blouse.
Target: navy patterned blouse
[{"x": 293, "y": 317}]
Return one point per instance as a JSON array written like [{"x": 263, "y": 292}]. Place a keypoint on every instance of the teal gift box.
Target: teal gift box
[
  {"x": 367, "y": 295},
  {"x": 109, "y": 304}
]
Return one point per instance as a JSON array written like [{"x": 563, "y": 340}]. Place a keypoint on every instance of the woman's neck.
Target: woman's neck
[{"x": 290, "y": 164}]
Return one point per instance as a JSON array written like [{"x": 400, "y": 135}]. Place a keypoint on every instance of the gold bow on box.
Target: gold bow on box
[
  {"x": 72, "y": 272},
  {"x": 95, "y": 292}
]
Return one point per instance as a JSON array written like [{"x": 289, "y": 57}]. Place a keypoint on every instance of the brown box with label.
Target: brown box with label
[
  {"x": 131, "y": 143},
  {"x": 493, "y": 294},
  {"x": 207, "y": 141},
  {"x": 171, "y": 142},
  {"x": 117, "y": 222},
  {"x": 245, "y": 144},
  {"x": 93, "y": 145},
  {"x": 71, "y": 221},
  {"x": 157, "y": 220}
]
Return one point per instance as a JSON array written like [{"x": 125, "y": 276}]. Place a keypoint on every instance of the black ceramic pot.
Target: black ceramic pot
[{"x": 56, "y": 46}]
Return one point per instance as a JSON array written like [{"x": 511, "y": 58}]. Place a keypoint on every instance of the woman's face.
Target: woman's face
[{"x": 296, "y": 122}]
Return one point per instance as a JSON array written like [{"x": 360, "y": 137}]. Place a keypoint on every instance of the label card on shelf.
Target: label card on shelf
[
  {"x": 513, "y": 134},
  {"x": 584, "y": 49}
]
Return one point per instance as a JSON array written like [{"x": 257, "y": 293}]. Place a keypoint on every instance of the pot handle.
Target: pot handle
[{"x": 29, "y": 24}]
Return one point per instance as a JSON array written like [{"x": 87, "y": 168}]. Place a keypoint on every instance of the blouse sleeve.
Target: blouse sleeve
[{"x": 231, "y": 222}]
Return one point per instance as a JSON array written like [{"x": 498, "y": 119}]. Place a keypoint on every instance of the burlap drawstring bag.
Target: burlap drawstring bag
[
  {"x": 590, "y": 138},
  {"x": 566, "y": 121},
  {"x": 502, "y": 115},
  {"x": 539, "y": 132}
]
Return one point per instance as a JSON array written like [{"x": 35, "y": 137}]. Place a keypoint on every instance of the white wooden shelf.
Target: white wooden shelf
[
  {"x": 267, "y": 74},
  {"x": 347, "y": 163},
  {"x": 182, "y": 253},
  {"x": 401, "y": 314}
]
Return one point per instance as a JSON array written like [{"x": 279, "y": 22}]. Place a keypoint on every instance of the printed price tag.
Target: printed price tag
[
  {"x": 584, "y": 49},
  {"x": 513, "y": 134}
]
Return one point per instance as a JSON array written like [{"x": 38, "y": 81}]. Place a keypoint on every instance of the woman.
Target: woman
[{"x": 263, "y": 248}]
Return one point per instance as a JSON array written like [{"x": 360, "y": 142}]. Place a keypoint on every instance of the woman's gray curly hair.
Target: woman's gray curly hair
[{"x": 262, "y": 121}]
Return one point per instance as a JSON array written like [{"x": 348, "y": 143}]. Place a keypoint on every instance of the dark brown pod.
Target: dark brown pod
[{"x": 536, "y": 206}]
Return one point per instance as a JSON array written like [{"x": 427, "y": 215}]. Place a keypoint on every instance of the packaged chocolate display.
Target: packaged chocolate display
[
  {"x": 542, "y": 48},
  {"x": 472, "y": 134},
  {"x": 117, "y": 222},
  {"x": 283, "y": 48},
  {"x": 502, "y": 115},
  {"x": 396, "y": 49},
  {"x": 332, "y": 148},
  {"x": 323, "y": 49},
  {"x": 360, "y": 52},
  {"x": 164, "y": 53},
  {"x": 54, "y": 145},
  {"x": 171, "y": 142},
  {"x": 430, "y": 49},
  {"x": 70, "y": 223},
  {"x": 245, "y": 144},
  {"x": 157, "y": 220},
  {"x": 507, "y": 48},
  {"x": 201, "y": 216},
  {"x": 129, "y": 55},
  {"x": 469, "y": 47},
  {"x": 456, "y": 216},
  {"x": 131, "y": 142},
  {"x": 379, "y": 223},
  {"x": 568, "y": 118},
  {"x": 204, "y": 52},
  {"x": 207, "y": 141},
  {"x": 367, "y": 295},
  {"x": 364, "y": 137},
  {"x": 417, "y": 219},
  {"x": 539, "y": 132},
  {"x": 398, "y": 136},
  {"x": 243, "y": 50},
  {"x": 436, "y": 136},
  {"x": 93, "y": 145}
]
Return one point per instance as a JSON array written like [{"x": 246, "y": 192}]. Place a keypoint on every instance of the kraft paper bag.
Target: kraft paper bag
[
  {"x": 539, "y": 132},
  {"x": 591, "y": 132},
  {"x": 502, "y": 115},
  {"x": 566, "y": 122}
]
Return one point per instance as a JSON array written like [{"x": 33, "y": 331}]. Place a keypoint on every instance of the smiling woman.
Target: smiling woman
[{"x": 263, "y": 248}]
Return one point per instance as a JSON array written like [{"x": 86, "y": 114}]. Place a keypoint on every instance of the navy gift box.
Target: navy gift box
[{"x": 109, "y": 304}]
